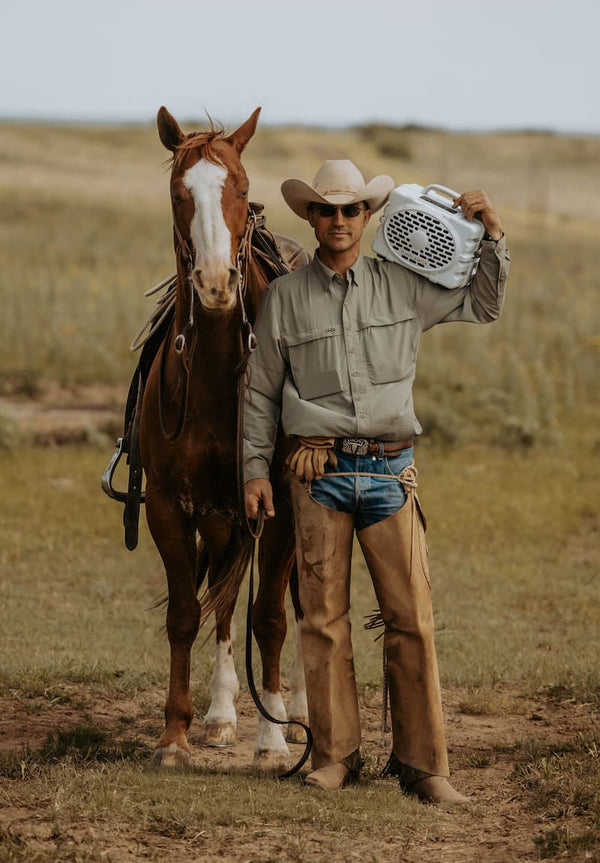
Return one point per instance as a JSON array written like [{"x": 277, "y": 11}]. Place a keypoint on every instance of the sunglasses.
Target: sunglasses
[{"x": 349, "y": 211}]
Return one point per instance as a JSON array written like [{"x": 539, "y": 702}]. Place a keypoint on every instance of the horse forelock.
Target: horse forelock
[{"x": 202, "y": 142}]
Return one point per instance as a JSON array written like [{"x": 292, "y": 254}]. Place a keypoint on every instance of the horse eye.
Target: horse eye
[{"x": 243, "y": 194}]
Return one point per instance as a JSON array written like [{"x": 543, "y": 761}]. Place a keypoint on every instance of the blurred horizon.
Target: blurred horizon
[{"x": 199, "y": 121}]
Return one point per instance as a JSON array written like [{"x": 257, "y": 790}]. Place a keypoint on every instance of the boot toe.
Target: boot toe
[
  {"x": 437, "y": 789},
  {"x": 333, "y": 777}
]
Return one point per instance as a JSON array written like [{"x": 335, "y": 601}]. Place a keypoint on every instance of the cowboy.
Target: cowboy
[{"x": 337, "y": 348}]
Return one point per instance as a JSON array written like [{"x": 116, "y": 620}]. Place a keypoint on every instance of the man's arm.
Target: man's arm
[
  {"x": 262, "y": 407},
  {"x": 482, "y": 300}
]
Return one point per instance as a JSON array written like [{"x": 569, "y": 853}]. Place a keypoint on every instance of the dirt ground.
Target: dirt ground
[
  {"x": 50, "y": 413},
  {"x": 499, "y": 826}
]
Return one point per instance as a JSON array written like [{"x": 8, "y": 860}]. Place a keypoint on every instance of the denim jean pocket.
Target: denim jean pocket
[{"x": 394, "y": 465}]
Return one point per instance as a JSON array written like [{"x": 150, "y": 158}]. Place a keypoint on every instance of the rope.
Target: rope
[{"x": 165, "y": 304}]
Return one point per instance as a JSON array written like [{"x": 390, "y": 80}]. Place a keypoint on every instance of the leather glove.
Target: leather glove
[{"x": 309, "y": 457}]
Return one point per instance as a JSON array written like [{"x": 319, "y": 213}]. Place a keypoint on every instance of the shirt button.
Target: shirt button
[{"x": 354, "y": 374}]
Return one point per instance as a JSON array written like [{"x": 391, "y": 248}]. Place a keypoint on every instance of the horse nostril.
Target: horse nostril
[{"x": 213, "y": 292}]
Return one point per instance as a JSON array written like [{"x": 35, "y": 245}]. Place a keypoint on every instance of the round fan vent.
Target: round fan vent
[{"x": 420, "y": 240}]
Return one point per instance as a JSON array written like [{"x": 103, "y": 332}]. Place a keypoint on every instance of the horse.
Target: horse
[{"x": 187, "y": 439}]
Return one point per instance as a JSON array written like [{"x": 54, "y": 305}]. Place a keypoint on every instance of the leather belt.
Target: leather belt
[{"x": 369, "y": 446}]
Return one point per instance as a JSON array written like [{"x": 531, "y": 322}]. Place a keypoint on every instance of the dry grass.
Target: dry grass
[{"x": 510, "y": 481}]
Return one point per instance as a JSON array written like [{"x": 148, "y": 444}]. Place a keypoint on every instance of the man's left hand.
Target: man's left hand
[{"x": 477, "y": 205}]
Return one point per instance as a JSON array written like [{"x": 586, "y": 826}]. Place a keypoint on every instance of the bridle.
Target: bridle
[{"x": 185, "y": 341}]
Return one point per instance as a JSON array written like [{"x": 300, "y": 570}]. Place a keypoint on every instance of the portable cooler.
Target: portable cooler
[{"x": 421, "y": 230}]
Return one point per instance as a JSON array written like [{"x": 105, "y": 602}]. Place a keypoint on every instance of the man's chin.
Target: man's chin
[{"x": 340, "y": 244}]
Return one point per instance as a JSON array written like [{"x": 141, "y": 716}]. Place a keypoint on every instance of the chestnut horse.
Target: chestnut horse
[{"x": 188, "y": 447}]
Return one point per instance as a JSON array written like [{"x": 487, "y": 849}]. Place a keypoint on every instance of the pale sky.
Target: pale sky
[{"x": 459, "y": 64}]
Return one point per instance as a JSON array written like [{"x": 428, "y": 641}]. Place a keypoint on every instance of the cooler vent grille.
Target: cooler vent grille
[{"x": 420, "y": 240}]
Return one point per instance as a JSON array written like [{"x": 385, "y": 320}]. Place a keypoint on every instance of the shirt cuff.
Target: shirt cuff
[{"x": 256, "y": 468}]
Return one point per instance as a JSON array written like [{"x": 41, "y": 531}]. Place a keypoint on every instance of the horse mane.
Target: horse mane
[{"x": 202, "y": 141}]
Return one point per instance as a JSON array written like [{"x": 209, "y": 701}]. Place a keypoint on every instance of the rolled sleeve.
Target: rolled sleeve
[{"x": 480, "y": 302}]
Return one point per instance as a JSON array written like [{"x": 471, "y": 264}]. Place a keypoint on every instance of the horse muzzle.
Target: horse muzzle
[{"x": 217, "y": 291}]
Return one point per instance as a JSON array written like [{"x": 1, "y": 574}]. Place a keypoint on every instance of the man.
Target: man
[{"x": 337, "y": 348}]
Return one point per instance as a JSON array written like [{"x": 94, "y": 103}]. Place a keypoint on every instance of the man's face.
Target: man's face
[{"x": 338, "y": 233}]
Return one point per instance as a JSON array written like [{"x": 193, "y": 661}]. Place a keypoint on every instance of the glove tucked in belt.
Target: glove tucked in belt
[{"x": 309, "y": 456}]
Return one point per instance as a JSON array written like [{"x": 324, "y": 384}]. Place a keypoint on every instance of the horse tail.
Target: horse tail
[
  {"x": 221, "y": 595},
  {"x": 202, "y": 565},
  {"x": 295, "y": 592}
]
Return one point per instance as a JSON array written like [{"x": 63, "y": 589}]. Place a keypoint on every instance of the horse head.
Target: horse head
[{"x": 209, "y": 195}]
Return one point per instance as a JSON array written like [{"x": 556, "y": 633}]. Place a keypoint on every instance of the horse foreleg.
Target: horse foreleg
[
  {"x": 298, "y": 707},
  {"x": 275, "y": 560},
  {"x": 176, "y": 543},
  {"x": 220, "y": 721}
]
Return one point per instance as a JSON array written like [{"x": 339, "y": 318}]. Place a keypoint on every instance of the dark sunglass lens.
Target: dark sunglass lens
[
  {"x": 326, "y": 210},
  {"x": 349, "y": 211}
]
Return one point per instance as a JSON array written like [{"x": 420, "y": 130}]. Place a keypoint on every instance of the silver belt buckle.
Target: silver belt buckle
[{"x": 355, "y": 445}]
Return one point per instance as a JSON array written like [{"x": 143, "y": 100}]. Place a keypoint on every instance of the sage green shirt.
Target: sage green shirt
[{"x": 337, "y": 358}]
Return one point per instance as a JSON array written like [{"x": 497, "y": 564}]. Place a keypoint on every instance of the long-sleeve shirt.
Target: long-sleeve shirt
[{"x": 336, "y": 356}]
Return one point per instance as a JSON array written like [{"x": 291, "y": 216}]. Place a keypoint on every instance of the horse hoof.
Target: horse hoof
[
  {"x": 295, "y": 733},
  {"x": 172, "y": 755},
  {"x": 218, "y": 734},
  {"x": 268, "y": 761}
]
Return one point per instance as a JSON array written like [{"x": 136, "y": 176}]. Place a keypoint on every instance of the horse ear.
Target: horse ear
[
  {"x": 241, "y": 136},
  {"x": 168, "y": 129}
]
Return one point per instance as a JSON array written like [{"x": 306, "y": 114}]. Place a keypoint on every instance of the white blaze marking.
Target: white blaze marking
[
  {"x": 210, "y": 234},
  {"x": 270, "y": 737},
  {"x": 224, "y": 687}
]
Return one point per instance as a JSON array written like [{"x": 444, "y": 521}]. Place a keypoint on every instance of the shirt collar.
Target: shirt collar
[{"x": 328, "y": 277}]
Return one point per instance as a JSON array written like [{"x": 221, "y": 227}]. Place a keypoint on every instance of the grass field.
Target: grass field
[{"x": 510, "y": 481}]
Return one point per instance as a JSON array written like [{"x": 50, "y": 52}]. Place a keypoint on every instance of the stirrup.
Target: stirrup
[{"x": 107, "y": 476}]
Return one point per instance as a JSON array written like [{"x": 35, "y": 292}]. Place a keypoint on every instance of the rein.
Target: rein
[{"x": 255, "y": 528}]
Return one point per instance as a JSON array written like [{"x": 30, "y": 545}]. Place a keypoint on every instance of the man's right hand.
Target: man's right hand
[{"x": 255, "y": 491}]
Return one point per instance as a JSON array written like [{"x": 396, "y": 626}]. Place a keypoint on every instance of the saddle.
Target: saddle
[{"x": 278, "y": 255}]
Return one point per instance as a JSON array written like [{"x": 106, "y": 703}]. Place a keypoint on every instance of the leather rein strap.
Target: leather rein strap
[{"x": 255, "y": 529}]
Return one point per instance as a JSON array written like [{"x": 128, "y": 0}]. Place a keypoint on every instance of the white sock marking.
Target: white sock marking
[
  {"x": 270, "y": 737},
  {"x": 224, "y": 687}
]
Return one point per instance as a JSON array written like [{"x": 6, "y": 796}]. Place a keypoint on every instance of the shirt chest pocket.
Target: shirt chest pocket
[
  {"x": 390, "y": 344},
  {"x": 314, "y": 359}
]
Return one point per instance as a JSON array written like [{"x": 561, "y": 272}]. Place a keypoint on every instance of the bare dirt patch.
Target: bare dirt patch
[
  {"x": 49, "y": 413},
  {"x": 485, "y": 750}
]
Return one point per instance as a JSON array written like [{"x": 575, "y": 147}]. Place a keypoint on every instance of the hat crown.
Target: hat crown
[{"x": 338, "y": 177}]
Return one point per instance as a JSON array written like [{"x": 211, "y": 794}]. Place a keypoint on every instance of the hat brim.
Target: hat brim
[{"x": 298, "y": 195}]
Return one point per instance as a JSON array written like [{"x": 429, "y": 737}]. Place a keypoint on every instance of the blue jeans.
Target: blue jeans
[{"x": 369, "y": 498}]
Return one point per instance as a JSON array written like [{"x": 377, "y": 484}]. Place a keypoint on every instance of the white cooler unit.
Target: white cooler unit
[{"x": 421, "y": 230}]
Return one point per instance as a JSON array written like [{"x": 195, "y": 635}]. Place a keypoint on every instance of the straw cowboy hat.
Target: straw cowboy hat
[{"x": 339, "y": 182}]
